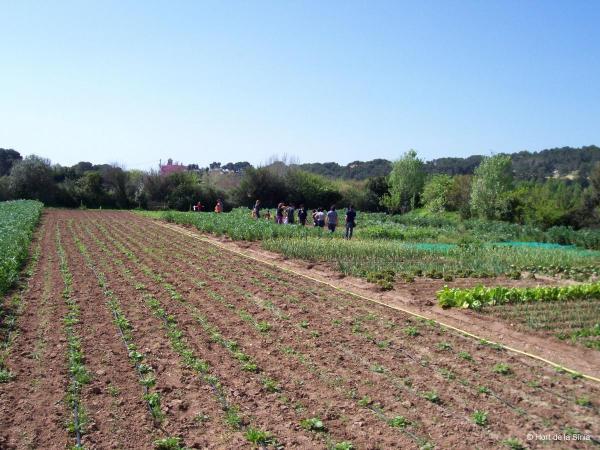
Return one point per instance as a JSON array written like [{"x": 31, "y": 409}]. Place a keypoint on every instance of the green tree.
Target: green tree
[
  {"x": 89, "y": 190},
  {"x": 5, "y": 189},
  {"x": 589, "y": 214},
  {"x": 32, "y": 179},
  {"x": 436, "y": 193},
  {"x": 185, "y": 190},
  {"x": 459, "y": 197},
  {"x": 262, "y": 184},
  {"x": 492, "y": 183},
  {"x": 310, "y": 189},
  {"x": 8, "y": 157},
  {"x": 551, "y": 203},
  {"x": 405, "y": 183}
]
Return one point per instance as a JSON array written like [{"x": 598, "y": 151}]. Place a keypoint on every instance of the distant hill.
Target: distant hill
[
  {"x": 357, "y": 170},
  {"x": 566, "y": 162}
]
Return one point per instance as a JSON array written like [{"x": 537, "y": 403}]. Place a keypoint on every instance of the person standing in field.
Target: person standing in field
[
  {"x": 290, "y": 214},
  {"x": 219, "y": 206},
  {"x": 302, "y": 215},
  {"x": 256, "y": 210},
  {"x": 350, "y": 221},
  {"x": 314, "y": 217},
  {"x": 279, "y": 213},
  {"x": 332, "y": 219},
  {"x": 320, "y": 216}
]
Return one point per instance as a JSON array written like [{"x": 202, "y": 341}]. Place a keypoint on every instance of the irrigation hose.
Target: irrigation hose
[{"x": 363, "y": 297}]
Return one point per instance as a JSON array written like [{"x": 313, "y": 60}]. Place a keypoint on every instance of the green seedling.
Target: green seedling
[
  {"x": 583, "y": 401},
  {"x": 343, "y": 446},
  {"x": 432, "y": 396},
  {"x": 480, "y": 418},
  {"x": 411, "y": 331},
  {"x": 313, "y": 424},
  {"x": 466, "y": 356},
  {"x": 514, "y": 444},
  {"x": 258, "y": 437},
  {"x": 168, "y": 443},
  {"x": 398, "y": 422},
  {"x": 502, "y": 369}
]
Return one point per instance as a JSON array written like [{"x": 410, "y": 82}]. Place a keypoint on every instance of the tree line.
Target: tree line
[
  {"x": 486, "y": 187},
  {"x": 493, "y": 192},
  {"x": 567, "y": 162}
]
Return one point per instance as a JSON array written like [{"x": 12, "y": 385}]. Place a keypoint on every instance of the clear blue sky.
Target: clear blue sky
[{"x": 199, "y": 81}]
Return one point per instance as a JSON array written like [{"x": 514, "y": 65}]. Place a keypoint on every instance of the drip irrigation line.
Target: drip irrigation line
[
  {"x": 379, "y": 413},
  {"x": 137, "y": 364},
  {"x": 70, "y": 334},
  {"x": 493, "y": 394},
  {"x": 363, "y": 297},
  {"x": 76, "y": 422},
  {"x": 225, "y": 405},
  {"x": 395, "y": 382},
  {"x": 463, "y": 332}
]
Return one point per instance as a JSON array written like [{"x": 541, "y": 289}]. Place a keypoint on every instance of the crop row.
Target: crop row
[
  {"x": 9, "y": 314},
  {"x": 405, "y": 251},
  {"x": 475, "y": 298},
  {"x": 306, "y": 327},
  {"x": 182, "y": 348},
  {"x": 238, "y": 224},
  {"x": 79, "y": 374},
  {"x": 264, "y": 329},
  {"x": 145, "y": 372},
  {"x": 17, "y": 222}
]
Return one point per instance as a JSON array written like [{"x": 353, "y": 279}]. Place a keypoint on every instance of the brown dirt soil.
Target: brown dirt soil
[
  {"x": 419, "y": 297},
  {"x": 32, "y": 408},
  {"x": 170, "y": 242},
  {"x": 354, "y": 364}
]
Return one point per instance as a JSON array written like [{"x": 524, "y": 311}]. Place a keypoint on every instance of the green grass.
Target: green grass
[{"x": 17, "y": 222}]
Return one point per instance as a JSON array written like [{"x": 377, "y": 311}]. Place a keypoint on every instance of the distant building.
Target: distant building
[{"x": 170, "y": 167}]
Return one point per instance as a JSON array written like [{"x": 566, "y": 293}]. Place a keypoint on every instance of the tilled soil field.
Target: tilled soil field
[{"x": 135, "y": 336}]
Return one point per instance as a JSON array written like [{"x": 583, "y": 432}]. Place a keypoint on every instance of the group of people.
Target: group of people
[
  {"x": 286, "y": 214},
  {"x": 200, "y": 207}
]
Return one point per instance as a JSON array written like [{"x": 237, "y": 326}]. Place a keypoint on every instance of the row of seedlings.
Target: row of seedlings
[
  {"x": 145, "y": 372},
  {"x": 79, "y": 375},
  {"x": 478, "y": 417},
  {"x": 245, "y": 360},
  {"x": 10, "y": 313},
  {"x": 314, "y": 423},
  {"x": 263, "y": 439}
]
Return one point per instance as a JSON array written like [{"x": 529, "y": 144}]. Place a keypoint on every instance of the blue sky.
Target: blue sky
[{"x": 202, "y": 81}]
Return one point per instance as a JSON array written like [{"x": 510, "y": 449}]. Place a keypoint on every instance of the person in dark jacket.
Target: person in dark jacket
[
  {"x": 256, "y": 210},
  {"x": 290, "y": 214},
  {"x": 350, "y": 221},
  {"x": 302, "y": 215},
  {"x": 279, "y": 213}
]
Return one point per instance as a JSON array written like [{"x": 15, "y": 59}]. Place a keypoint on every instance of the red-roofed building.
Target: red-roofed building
[{"x": 169, "y": 168}]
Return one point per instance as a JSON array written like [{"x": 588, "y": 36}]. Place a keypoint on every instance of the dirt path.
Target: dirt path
[
  {"x": 32, "y": 407},
  {"x": 420, "y": 299},
  {"x": 239, "y": 348}
]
